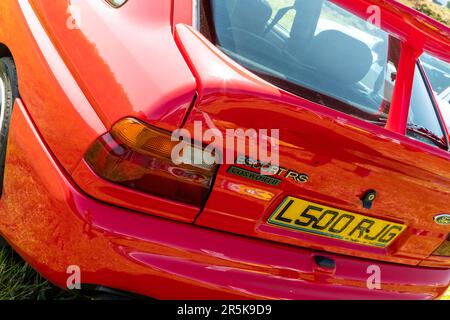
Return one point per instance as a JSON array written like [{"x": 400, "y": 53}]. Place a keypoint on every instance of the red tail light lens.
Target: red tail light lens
[
  {"x": 444, "y": 249},
  {"x": 138, "y": 156}
]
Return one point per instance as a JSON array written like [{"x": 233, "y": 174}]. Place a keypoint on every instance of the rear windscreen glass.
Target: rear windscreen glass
[{"x": 312, "y": 48}]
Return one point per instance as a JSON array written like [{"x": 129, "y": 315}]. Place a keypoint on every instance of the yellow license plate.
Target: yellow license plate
[{"x": 329, "y": 222}]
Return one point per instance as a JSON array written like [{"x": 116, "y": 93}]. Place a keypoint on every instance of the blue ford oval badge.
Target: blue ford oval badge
[{"x": 442, "y": 219}]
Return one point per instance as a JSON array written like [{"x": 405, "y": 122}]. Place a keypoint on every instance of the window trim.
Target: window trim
[
  {"x": 196, "y": 14},
  {"x": 114, "y": 5},
  {"x": 433, "y": 102}
]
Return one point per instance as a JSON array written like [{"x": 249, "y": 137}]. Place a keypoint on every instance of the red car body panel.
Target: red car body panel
[
  {"x": 66, "y": 100},
  {"x": 307, "y": 130},
  {"x": 76, "y": 83},
  {"x": 53, "y": 224},
  {"x": 131, "y": 66}
]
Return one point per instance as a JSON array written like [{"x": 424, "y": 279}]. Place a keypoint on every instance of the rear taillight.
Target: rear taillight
[
  {"x": 138, "y": 156},
  {"x": 444, "y": 249}
]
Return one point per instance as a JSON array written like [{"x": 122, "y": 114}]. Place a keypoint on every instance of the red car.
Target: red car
[{"x": 357, "y": 207}]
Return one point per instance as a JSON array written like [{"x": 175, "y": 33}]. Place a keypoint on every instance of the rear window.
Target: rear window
[
  {"x": 438, "y": 73},
  {"x": 423, "y": 121},
  {"x": 312, "y": 48}
]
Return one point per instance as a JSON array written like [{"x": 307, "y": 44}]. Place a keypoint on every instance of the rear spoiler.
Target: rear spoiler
[
  {"x": 407, "y": 24},
  {"x": 413, "y": 27},
  {"x": 417, "y": 32}
]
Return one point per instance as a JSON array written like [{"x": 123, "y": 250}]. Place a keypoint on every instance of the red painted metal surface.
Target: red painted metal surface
[
  {"x": 183, "y": 11},
  {"x": 333, "y": 148},
  {"x": 419, "y": 30},
  {"x": 401, "y": 99},
  {"x": 144, "y": 61},
  {"x": 53, "y": 225}
]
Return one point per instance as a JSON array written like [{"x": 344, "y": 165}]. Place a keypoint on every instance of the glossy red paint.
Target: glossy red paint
[
  {"x": 76, "y": 82},
  {"x": 137, "y": 82},
  {"x": 60, "y": 226},
  {"x": 401, "y": 99},
  {"x": 66, "y": 101},
  {"x": 307, "y": 130},
  {"x": 411, "y": 26},
  {"x": 184, "y": 11}
]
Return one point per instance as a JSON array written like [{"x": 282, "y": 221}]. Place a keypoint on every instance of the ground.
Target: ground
[{"x": 18, "y": 281}]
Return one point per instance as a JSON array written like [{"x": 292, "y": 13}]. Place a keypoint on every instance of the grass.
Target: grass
[{"x": 18, "y": 281}]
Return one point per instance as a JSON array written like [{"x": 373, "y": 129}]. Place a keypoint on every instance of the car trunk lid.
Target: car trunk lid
[{"x": 343, "y": 157}]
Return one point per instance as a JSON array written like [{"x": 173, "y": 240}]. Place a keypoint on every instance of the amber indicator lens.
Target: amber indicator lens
[{"x": 138, "y": 156}]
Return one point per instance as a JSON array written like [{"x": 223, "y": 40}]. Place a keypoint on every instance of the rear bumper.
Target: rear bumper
[{"x": 53, "y": 225}]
